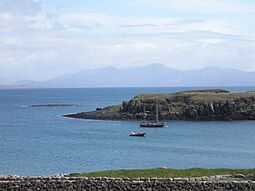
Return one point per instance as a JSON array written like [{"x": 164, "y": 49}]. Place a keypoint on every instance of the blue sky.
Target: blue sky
[{"x": 41, "y": 39}]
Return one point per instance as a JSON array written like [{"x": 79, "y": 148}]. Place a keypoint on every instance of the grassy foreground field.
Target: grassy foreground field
[{"x": 163, "y": 173}]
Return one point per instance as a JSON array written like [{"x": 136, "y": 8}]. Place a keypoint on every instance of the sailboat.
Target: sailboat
[
  {"x": 137, "y": 134},
  {"x": 152, "y": 124}
]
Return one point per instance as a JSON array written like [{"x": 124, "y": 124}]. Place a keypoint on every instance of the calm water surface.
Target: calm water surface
[{"x": 38, "y": 141}]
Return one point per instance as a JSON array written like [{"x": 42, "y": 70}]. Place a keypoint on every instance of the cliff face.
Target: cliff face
[{"x": 187, "y": 105}]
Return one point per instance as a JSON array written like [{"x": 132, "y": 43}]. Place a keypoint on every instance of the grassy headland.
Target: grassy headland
[
  {"x": 164, "y": 173},
  {"x": 216, "y": 104}
]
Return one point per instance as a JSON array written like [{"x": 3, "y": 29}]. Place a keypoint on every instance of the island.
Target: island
[
  {"x": 55, "y": 105},
  {"x": 207, "y": 105}
]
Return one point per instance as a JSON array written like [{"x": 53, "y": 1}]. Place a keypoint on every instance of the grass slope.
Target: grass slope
[{"x": 163, "y": 173}]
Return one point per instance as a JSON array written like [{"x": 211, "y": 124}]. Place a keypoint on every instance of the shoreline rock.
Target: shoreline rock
[{"x": 103, "y": 183}]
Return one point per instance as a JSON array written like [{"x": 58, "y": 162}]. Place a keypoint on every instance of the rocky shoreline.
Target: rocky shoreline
[
  {"x": 198, "y": 105},
  {"x": 60, "y": 182}
]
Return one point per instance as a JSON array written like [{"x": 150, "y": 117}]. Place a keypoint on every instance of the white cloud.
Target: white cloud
[
  {"x": 98, "y": 23},
  {"x": 103, "y": 24},
  {"x": 202, "y": 6},
  {"x": 83, "y": 20},
  {"x": 12, "y": 41},
  {"x": 5, "y": 20},
  {"x": 45, "y": 57},
  {"x": 37, "y": 44},
  {"x": 18, "y": 15},
  {"x": 30, "y": 58},
  {"x": 19, "y": 7},
  {"x": 145, "y": 45}
]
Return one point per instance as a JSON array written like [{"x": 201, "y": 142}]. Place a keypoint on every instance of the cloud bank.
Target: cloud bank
[{"x": 42, "y": 39}]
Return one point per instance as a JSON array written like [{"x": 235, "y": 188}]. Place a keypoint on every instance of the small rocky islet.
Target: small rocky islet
[
  {"x": 207, "y": 105},
  {"x": 54, "y": 105}
]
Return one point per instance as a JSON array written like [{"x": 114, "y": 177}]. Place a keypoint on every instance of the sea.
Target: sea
[{"x": 40, "y": 141}]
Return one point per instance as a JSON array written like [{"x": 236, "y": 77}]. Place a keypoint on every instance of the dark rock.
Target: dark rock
[{"x": 239, "y": 176}]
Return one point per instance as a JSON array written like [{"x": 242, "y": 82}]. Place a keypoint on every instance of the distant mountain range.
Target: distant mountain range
[{"x": 153, "y": 75}]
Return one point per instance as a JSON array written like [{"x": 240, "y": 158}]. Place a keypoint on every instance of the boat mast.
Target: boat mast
[
  {"x": 143, "y": 111},
  {"x": 156, "y": 110}
]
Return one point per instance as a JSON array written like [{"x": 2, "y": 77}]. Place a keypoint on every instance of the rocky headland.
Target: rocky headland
[{"x": 216, "y": 104}]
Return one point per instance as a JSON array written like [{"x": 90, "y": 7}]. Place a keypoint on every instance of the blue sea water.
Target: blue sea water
[{"x": 39, "y": 141}]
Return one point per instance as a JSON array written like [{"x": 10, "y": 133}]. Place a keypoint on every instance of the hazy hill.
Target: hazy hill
[{"x": 148, "y": 76}]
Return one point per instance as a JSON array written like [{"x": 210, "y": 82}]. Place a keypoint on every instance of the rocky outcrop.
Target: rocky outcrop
[{"x": 187, "y": 105}]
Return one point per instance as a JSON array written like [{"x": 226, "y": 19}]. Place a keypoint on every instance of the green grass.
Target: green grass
[
  {"x": 163, "y": 173},
  {"x": 198, "y": 95},
  {"x": 114, "y": 108}
]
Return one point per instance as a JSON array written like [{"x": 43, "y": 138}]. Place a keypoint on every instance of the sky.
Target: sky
[{"x": 42, "y": 39}]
